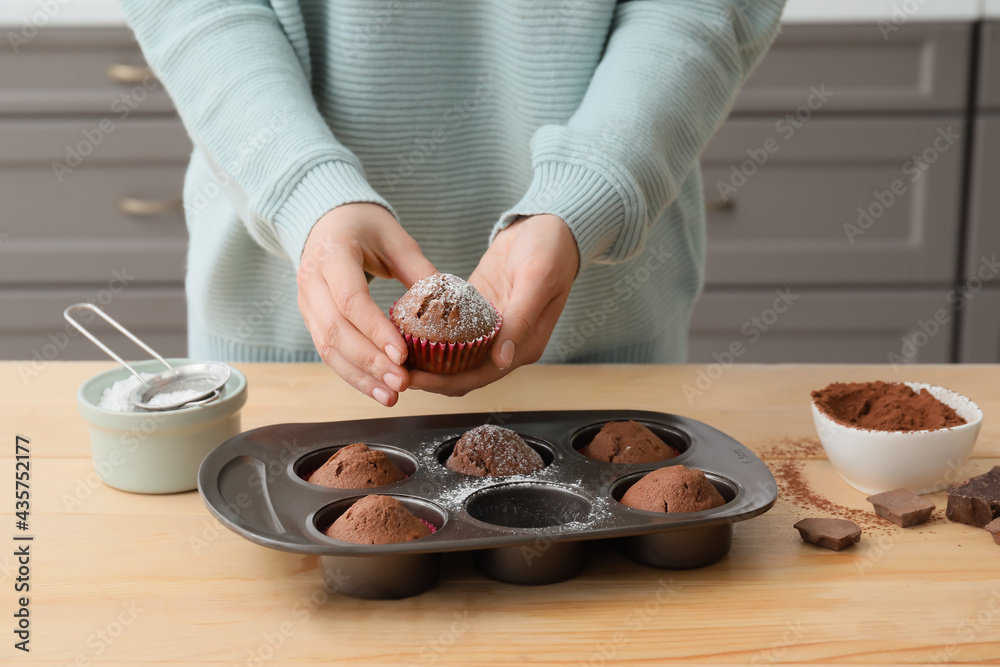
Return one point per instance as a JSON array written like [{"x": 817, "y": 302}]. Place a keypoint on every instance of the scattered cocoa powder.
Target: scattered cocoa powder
[
  {"x": 884, "y": 406},
  {"x": 787, "y": 460}
]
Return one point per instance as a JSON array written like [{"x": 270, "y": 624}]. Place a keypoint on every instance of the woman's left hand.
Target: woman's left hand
[{"x": 527, "y": 273}]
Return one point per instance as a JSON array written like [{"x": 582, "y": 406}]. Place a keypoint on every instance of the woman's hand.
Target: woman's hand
[
  {"x": 526, "y": 273},
  {"x": 350, "y": 332}
]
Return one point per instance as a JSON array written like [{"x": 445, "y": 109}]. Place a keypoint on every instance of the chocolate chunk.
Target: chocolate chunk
[
  {"x": 833, "y": 534},
  {"x": 902, "y": 507},
  {"x": 975, "y": 501},
  {"x": 994, "y": 528}
]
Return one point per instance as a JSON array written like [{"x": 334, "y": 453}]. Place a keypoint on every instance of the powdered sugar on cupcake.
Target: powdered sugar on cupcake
[
  {"x": 494, "y": 451},
  {"x": 444, "y": 308}
]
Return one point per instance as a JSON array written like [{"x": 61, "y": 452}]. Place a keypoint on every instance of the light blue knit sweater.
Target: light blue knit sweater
[{"x": 458, "y": 115}]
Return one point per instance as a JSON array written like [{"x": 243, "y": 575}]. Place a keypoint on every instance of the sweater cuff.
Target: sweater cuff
[
  {"x": 604, "y": 214},
  {"x": 324, "y": 187}
]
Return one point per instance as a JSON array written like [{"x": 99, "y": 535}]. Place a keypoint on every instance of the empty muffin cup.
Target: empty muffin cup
[
  {"x": 544, "y": 562},
  {"x": 536, "y": 507}
]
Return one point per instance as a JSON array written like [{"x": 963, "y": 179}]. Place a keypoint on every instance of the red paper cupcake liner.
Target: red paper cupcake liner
[{"x": 434, "y": 357}]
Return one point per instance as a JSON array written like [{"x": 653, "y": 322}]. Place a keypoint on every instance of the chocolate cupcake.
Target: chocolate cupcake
[
  {"x": 378, "y": 520},
  {"x": 448, "y": 325},
  {"x": 357, "y": 467},
  {"x": 493, "y": 451},
  {"x": 627, "y": 442},
  {"x": 673, "y": 489}
]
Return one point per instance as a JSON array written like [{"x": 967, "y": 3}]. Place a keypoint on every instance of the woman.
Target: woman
[{"x": 548, "y": 150}]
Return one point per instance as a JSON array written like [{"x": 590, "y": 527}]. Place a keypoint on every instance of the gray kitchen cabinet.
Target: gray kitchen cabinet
[
  {"x": 92, "y": 161},
  {"x": 983, "y": 238},
  {"x": 841, "y": 201},
  {"x": 820, "y": 327},
  {"x": 989, "y": 66},
  {"x": 34, "y": 329},
  {"x": 134, "y": 141},
  {"x": 840, "y": 176},
  {"x": 75, "y": 71},
  {"x": 120, "y": 207},
  {"x": 981, "y": 328},
  {"x": 920, "y": 67}
]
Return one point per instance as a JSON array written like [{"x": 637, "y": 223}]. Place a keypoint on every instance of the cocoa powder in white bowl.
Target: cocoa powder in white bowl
[{"x": 900, "y": 454}]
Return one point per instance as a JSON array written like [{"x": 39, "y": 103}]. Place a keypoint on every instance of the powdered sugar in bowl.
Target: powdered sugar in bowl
[
  {"x": 154, "y": 452},
  {"x": 923, "y": 461}
]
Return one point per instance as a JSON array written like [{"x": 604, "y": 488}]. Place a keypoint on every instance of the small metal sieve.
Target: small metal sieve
[{"x": 204, "y": 379}]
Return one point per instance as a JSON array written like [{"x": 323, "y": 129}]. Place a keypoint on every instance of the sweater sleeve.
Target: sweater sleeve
[
  {"x": 245, "y": 100},
  {"x": 666, "y": 81}
]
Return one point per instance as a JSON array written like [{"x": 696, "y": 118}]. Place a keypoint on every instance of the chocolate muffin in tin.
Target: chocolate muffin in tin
[
  {"x": 493, "y": 451},
  {"x": 356, "y": 467}
]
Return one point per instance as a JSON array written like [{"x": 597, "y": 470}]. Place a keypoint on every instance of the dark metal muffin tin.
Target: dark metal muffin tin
[{"x": 527, "y": 529}]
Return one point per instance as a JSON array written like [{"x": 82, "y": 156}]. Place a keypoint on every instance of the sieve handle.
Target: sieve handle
[{"x": 93, "y": 339}]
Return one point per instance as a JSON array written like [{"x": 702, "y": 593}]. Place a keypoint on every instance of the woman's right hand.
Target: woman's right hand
[{"x": 350, "y": 332}]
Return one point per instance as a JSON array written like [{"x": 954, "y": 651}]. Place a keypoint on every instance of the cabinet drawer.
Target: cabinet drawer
[
  {"x": 117, "y": 208},
  {"x": 820, "y": 327},
  {"x": 79, "y": 70},
  {"x": 33, "y": 327},
  {"x": 989, "y": 66},
  {"x": 981, "y": 328},
  {"x": 984, "y": 226},
  {"x": 918, "y": 68},
  {"x": 798, "y": 217}
]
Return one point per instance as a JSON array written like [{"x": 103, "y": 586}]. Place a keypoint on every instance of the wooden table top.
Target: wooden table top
[{"x": 128, "y": 579}]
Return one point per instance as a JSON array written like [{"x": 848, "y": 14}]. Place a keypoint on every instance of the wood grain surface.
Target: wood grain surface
[{"x": 128, "y": 579}]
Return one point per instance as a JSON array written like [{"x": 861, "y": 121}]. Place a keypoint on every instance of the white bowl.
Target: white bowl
[{"x": 921, "y": 461}]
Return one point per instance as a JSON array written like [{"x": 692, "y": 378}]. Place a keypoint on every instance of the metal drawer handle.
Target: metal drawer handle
[
  {"x": 720, "y": 206},
  {"x": 130, "y": 206},
  {"x": 121, "y": 73}
]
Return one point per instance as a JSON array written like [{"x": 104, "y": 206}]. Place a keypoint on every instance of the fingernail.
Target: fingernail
[
  {"x": 394, "y": 381},
  {"x": 381, "y": 395},
  {"x": 506, "y": 353},
  {"x": 394, "y": 355}
]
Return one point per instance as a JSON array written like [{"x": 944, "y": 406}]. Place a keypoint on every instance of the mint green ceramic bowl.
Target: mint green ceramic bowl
[{"x": 157, "y": 452}]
